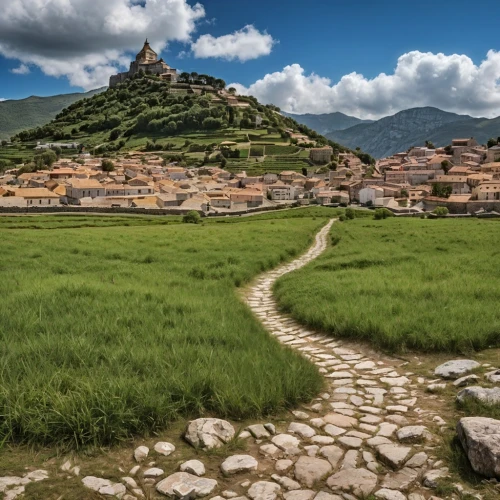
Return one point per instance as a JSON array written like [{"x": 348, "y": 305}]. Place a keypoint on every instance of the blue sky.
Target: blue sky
[{"x": 319, "y": 41}]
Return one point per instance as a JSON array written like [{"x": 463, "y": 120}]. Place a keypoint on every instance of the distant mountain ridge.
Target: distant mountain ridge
[
  {"x": 412, "y": 127},
  {"x": 327, "y": 122},
  {"x": 34, "y": 111}
]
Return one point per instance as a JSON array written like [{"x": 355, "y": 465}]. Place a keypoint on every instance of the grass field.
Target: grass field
[
  {"x": 430, "y": 285},
  {"x": 111, "y": 332}
]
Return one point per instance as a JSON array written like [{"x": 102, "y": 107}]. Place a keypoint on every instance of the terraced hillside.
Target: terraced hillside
[{"x": 148, "y": 114}]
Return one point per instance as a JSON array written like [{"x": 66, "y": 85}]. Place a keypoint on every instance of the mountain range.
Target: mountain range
[
  {"x": 34, "y": 111},
  {"x": 413, "y": 127},
  {"x": 327, "y": 122}
]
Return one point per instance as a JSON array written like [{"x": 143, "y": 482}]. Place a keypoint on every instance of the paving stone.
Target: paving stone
[
  {"x": 333, "y": 430},
  {"x": 359, "y": 482},
  {"x": 393, "y": 454},
  {"x": 264, "y": 490},
  {"x": 413, "y": 434},
  {"x": 286, "y": 482},
  {"x": 309, "y": 470},
  {"x": 332, "y": 453},
  {"x": 340, "y": 420},
  {"x": 141, "y": 453},
  {"x": 164, "y": 448},
  {"x": 303, "y": 430},
  {"x": 350, "y": 442},
  {"x": 208, "y": 433},
  {"x": 322, "y": 440},
  {"x": 282, "y": 466},
  {"x": 285, "y": 441},
  {"x": 239, "y": 463},
  {"x": 258, "y": 431},
  {"x": 387, "y": 494},
  {"x": 401, "y": 480},
  {"x": 299, "y": 495},
  {"x": 456, "y": 368}
]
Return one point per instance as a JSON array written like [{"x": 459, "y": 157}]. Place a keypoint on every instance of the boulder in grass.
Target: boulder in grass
[
  {"x": 456, "y": 368},
  {"x": 480, "y": 394},
  {"x": 480, "y": 438},
  {"x": 208, "y": 433}
]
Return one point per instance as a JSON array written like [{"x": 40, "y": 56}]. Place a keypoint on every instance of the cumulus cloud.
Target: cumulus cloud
[
  {"x": 242, "y": 45},
  {"x": 2, "y": 99},
  {"x": 87, "y": 40},
  {"x": 450, "y": 82},
  {"x": 23, "y": 69}
]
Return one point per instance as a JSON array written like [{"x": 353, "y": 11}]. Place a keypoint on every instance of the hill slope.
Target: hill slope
[
  {"x": 411, "y": 127},
  {"x": 327, "y": 122},
  {"x": 148, "y": 114},
  {"x": 18, "y": 115}
]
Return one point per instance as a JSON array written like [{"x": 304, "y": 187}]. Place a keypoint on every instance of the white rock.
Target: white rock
[
  {"x": 302, "y": 430},
  {"x": 386, "y": 494},
  {"x": 493, "y": 377},
  {"x": 309, "y": 470},
  {"x": 413, "y": 434},
  {"x": 164, "y": 448},
  {"x": 359, "y": 482},
  {"x": 209, "y": 433},
  {"x": 153, "y": 472},
  {"x": 456, "y": 368},
  {"x": 258, "y": 431},
  {"x": 299, "y": 495},
  {"x": 201, "y": 487},
  {"x": 193, "y": 467},
  {"x": 285, "y": 441},
  {"x": 141, "y": 453},
  {"x": 264, "y": 490},
  {"x": 467, "y": 380},
  {"x": 392, "y": 454},
  {"x": 487, "y": 396},
  {"x": 286, "y": 482},
  {"x": 283, "y": 465},
  {"x": 95, "y": 483},
  {"x": 431, "y": 478},
  {"x": 480, "y": 438},
  {"x": 239, "y": 463}
]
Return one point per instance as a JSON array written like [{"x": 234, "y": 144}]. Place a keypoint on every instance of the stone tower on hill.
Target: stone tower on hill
[{"x": 147, "y": 61}]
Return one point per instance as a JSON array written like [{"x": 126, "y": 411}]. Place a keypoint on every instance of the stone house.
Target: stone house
[
  {"x": 77, "y": 189},
  {"x": 370, "y": 194},
  {"x": 321, "y": 155},
  {"x": 34, "y": 196},
  {"x": 487, "y": 191}
]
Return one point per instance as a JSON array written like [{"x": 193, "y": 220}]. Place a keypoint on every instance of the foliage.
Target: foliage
[
  {"x": 441, "y": 191},
  {"x": 403, "y": 284},
  {"x": 257, "y": 151},
  {"x": 122, "y": 330},
  {"x": 492, "y": 142},
  {"x": 107, "y": 166},
  {"x": 192, "y": 217},
  {"x": 45, "y": 159},
  {"x": 350, "y": 213},
  {"x": 382, "y": 213},
  {"x": 441, "y": 211}
]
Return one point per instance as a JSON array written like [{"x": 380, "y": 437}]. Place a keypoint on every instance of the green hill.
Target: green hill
[
  {"x": 34, "y": 111},
  {"x": 182, "y": 120}
]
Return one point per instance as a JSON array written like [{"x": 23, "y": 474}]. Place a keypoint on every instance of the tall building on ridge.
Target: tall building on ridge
[{"x": 147, "y": 61}]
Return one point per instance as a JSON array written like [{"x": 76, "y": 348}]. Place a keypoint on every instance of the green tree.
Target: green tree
[
  {"x": 441, "y": 211},
  {"x": 492, "y": 142},
  {"x": 192, "y": 217},
  {"x": 107, "y": 166},
  {"x": 430, "y": 145},
  {"x": 45, "y": 159},
  {"x": 350, "y": 213},
  {"x": 445, "y": 164},
  {"x": 382, "y": 213}
]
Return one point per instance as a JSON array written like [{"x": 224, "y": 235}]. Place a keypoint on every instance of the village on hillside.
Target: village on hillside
[
  {"x": 464, "y": 177},
  {"x": 256, "y": 164}
]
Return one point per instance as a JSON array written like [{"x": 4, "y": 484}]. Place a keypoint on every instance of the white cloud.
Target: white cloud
[
  {"x": 23, "y": 69},
  {"x": 450, "y": 82},
  {"x": 243, "y": 45},
  {"x": 2, "y": 99},
  {"x": 87, "y": 40}
]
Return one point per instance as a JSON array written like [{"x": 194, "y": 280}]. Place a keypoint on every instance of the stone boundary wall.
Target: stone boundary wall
[{"x": 75, "y": 209}]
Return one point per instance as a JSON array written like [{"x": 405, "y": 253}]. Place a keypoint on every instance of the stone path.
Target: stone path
[{"x": 365, "y": 435}]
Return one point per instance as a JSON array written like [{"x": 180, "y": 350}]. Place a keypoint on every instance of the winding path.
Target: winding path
[{"x": 382, "y": 444}]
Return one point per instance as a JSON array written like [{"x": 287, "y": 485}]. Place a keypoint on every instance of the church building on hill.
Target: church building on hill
[{"x": 147, "y": 61}]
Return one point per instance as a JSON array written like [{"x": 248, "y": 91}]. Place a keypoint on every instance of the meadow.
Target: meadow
[
  {"x": 403, "y": 284},
  {"x": 113, "y": 331}
]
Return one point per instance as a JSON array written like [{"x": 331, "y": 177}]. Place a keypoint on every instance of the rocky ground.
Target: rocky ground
[{"x": 373, "y": 433}]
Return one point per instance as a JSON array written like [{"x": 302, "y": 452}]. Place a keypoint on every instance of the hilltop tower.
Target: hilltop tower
[{"x": 147, "y": 61}]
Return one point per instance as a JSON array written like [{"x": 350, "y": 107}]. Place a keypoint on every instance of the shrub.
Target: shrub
[
  {"x": 192, "y": 217},
  {"x": 441, "y": 211},
  {"x": 382, "y": 213},
  {"x": 350, "y": 214}
]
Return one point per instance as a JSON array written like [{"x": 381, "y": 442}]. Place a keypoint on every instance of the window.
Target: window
[
  {"x": 49, "y": 202},
  {"x": 39, "y": 202}
]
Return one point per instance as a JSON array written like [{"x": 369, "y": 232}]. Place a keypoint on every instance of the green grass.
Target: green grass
[
  {"x": 430, "y": 285},
  {"x": 111, "y": 332},
  {"x": 281, "y": 150},
  {"x": 257, "y": 151}
]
